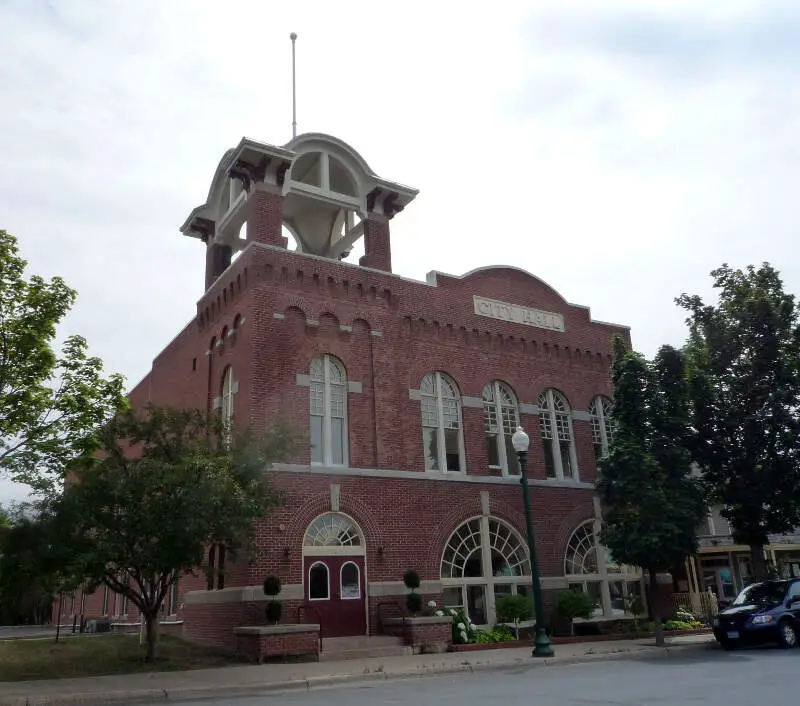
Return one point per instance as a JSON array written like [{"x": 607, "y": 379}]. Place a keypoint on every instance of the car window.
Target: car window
[
  {"x": 762, "y": 594},
  {"x": 794, "y": 591}
]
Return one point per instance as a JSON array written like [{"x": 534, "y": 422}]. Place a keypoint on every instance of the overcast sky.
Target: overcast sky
[{"x": 618, "y": 149}]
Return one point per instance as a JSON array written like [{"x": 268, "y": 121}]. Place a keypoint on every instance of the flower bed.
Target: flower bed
[{"x": 472, "y": 647}]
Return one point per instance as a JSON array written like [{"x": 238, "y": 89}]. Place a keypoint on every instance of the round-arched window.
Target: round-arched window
[
  {"x": 484, "y": 559},
  {"x": 589, "y": 567},
  {"x": 333, "y": 530}
]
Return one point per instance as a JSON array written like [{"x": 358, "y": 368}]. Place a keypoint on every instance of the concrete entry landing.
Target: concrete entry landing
[{"x": 362, "y": 647}]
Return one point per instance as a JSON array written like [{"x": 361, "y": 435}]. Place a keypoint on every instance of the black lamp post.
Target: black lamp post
[{"x": 541, "y": 645}]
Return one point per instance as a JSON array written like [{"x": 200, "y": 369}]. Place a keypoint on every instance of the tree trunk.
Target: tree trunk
[
  {"x": 151, "y": 627},
  {"x": 655, "y": 609},
  {"x": 758, "y": 563}
]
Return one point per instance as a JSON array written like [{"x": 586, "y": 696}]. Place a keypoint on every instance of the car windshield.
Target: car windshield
[{"x": 762, "y": 594}]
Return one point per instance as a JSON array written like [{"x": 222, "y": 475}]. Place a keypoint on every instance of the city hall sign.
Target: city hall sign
[{"x": 518, "y": 314}]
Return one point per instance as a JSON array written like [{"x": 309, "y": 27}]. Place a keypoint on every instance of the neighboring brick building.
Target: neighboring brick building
[{"x": 408, "y": 392}]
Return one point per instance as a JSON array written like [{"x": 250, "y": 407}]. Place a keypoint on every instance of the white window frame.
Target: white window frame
[
  {"x": 327, "y": 427},
  {"x": 555, "y": 442},
  {"x": 600, "y": 422},
  {"x": 496, "y": 387},
  {"x": 604, "y": 575},
  {"x": 440, "y": 428},
  {"x": 341, "y": 585},
  {"x": 226, "y": 403},
  {"x": 488, "y": 581},
  {"x": 327, "y": 572}
]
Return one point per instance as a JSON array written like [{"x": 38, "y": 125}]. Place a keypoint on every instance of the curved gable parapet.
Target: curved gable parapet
[
  {"x": 315, "y": 141},
  {"x": 498, "y": 280},
  {"x": 508, "y": 286},
  {"x": 220, "y": 176}
]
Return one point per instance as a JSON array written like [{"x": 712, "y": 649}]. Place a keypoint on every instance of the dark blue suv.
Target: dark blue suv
[{"x": 763, "y": 612}]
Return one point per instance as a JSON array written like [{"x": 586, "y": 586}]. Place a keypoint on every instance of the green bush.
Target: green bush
[
  {"x": 499, "y": 633},
  {"x": 464, "y": 632},
  {"x": 411, "y": 580},
  {"x": 574, "y": 603},
  {"x": 274, "y": 612},
  {"x": 272, "y": 586},
  {"x": 414, "y": 603},
  {"x": 514, "y": 609}
]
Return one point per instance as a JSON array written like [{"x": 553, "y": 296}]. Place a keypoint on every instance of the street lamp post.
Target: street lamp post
[{"x": 541, "y": 645}]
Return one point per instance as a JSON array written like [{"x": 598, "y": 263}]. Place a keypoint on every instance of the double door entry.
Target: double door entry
[{"x": 335, "y": 591}]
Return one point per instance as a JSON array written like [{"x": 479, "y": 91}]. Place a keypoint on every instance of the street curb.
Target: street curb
[{"x": 152, "y": 695}]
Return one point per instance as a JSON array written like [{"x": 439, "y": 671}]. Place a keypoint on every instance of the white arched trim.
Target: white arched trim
[{"x": 334, "y": 534}]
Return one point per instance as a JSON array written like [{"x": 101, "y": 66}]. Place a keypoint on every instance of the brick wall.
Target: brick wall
[
  {"x": 389, "y": 332},
  {"x": 257, "y": 647}
]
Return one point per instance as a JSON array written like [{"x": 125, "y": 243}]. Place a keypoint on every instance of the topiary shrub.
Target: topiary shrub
[
  {"x": 414, "y": 603},
  {"x": 274, "y": 610},
  {"x": 411, "y": 580},
  {"x": 272, "y": 586}
]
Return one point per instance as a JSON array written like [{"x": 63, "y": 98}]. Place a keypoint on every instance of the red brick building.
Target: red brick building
[{"x": 408, "y": 393}]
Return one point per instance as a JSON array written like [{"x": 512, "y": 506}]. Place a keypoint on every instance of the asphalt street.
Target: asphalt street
[{"x": 711, "y": 678}]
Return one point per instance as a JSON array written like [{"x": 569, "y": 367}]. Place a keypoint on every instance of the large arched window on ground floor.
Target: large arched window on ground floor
[
  {"x": 484, "y": 559},
  {"x": 589, "y": 566}
]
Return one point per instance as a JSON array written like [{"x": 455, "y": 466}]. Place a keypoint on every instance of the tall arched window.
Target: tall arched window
[
  {"x": 588, "y": 566},
  {"x": 500, "y": 420},
  {"x": 328, "y": 412},
  {"x": 555, "y": 423},
  {"x": 484, "y": 559},
  {"x": 602, "y": 430},
  {"x": 226, "y": 406},
  {"x": 441, "y": 424}
]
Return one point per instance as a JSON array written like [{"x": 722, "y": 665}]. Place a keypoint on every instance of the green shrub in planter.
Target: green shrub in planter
[
  {"x": 411, "y": 580},
  {"x": 414, "y": 603},
  {"x": 274, "y": 611},
  {"x": 272, "y": 587}
]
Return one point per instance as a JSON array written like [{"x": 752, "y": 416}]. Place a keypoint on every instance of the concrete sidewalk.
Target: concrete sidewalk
[{"x": 276, "y": 678}]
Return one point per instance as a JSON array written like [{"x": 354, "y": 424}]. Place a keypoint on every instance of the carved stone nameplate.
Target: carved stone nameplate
[{"x": 518, "y": 314}]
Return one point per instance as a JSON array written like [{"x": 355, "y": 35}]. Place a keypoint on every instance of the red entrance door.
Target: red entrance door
[{"x": 335, "y": 589}]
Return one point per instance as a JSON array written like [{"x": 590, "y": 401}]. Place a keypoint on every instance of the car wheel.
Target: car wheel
[{"x": 787, "y": 634}]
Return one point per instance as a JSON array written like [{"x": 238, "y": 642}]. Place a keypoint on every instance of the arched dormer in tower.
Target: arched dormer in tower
[{"x": 316, "y": 186}]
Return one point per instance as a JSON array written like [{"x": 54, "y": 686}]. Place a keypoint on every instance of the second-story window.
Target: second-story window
[
  {"x": 226, "y": 404},
  {"x": 602, "y": 430},
  {"x": 328, "y": 412},
  {"x": 555, "y": 424},
  {"x": 441, "y": 423},
  {"x": 500, "y": 421}
]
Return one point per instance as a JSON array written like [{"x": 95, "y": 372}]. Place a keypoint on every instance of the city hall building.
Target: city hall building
[{"x": 406, "y": 393}]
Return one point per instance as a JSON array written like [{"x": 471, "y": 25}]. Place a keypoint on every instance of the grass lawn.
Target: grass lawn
[{"x": 90, "y": 655}]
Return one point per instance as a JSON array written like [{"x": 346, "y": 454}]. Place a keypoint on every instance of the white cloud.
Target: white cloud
[{"x": 620, "y": 151}]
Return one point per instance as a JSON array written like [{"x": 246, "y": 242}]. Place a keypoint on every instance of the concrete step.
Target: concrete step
[{"x": 362, "y": 647}]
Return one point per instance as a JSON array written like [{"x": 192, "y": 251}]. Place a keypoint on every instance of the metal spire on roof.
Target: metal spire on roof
[{"x": 293, "y": 37}]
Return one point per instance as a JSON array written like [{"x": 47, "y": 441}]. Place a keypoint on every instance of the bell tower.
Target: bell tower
[{"x": 316, "y": 186}]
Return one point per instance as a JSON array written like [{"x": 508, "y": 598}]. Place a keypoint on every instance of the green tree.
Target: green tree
[
  {"x": 651, "y": 504},
  {"x": 574, "y": 603},
  {"x": 514, "y": 609},
  {"x": 744, "y": 362},
  {"x": 50, "y": 403},
  {"x": 137, "y": 522},
  {"x": 30, "y": 571}
]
